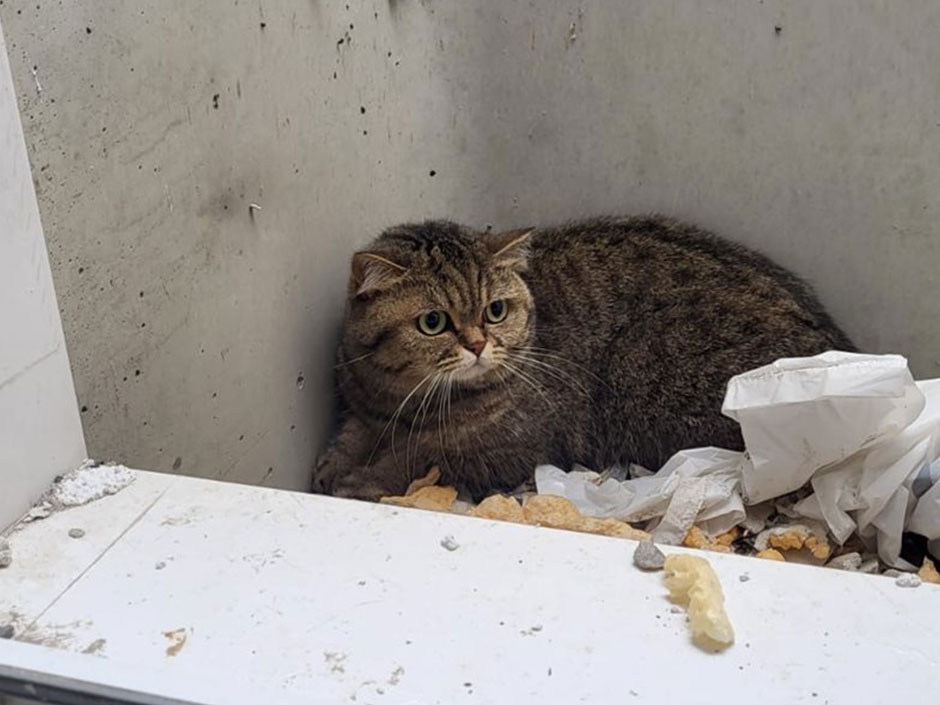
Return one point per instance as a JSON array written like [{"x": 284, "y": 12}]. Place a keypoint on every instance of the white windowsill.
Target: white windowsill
[{"x": 289, "y": 597}]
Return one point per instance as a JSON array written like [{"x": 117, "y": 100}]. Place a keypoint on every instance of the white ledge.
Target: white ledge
[{"x": 296, "y": 597}]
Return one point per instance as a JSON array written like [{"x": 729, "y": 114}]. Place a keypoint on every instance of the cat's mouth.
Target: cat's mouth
[
  {"x": 474, "y": 370},
  {"x": 472, "y": 366}
]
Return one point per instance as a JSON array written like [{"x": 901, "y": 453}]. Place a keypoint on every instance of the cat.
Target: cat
[{"x": 602, "y": 342}]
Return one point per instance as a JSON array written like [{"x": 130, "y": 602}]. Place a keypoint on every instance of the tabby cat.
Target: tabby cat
[{"x": 602, "y": 342}]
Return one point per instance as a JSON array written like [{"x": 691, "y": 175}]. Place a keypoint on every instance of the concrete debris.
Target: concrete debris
[
  {"x": 647, "y": 556},
  {"x": 89, "y": 482},
  {"x": 450, "y": 543},
  {"x": 76, "y": 533},
  {"x": 908, "y": 580},
  {"x": 847, "y": 561},
  {"x": 40, "y": 511},
  {"x": 7, "y": 631}
]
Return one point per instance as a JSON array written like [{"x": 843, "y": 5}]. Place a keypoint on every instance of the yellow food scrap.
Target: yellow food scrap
[
  {"x": 696, "y": 538},
  {"x": 692, "y": 583},
  {"x": 612, "y": 527},
  {"x": 771, "y": 554},
  {"x": 434, "y": 474},
  {"x": 794, "y": 538},
  {"x": 928, "y": 572},
  {"x": 729, "y": 537},
  {"x": 548, "y": 510},
  {"x": 439, "y": 499},
  {"x": 819, "y": 547},
  {"x": 554, "y": 512},
  {"x": 499, "y": 507}
]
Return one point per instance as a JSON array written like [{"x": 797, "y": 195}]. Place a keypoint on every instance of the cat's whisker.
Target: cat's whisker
[
  {"x": 394, "y": 418},
  {"x": 536, "y": 387},
  {"x": 422, "y": 411},
  {"x": 556, "y": 373},
  {"x": 545, "y": 353},
  {"x": 349, "y": 362},
  {"x": 444, "y": 400}
]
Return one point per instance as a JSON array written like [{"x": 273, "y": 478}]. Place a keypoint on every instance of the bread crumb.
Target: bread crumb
[
  {"x": 560, "y": 513},
  {"x": 551, "y": 511},
  {"x": 438, "y": 499},
  {"x": 928, "y": 572},
  {"x": 771, "y": 554},
  {"x": 794, "y": 538},
  {"x": 611, "y": 527},
  {"x": 696, "y": 538},
  {"x": 499, "y": 507},
  {"x": 429, "y": 480},
  {"x": 729, "y": 537}
]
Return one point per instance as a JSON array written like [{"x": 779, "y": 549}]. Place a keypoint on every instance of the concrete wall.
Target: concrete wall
[
  {"x": 810, "y": 130},
  {"x": 40, "y": 430}
]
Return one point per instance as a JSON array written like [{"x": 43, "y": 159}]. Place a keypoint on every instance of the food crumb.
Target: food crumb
[
  {"x": 771, "y": 554},
  {"x": 928, "y": 572}
]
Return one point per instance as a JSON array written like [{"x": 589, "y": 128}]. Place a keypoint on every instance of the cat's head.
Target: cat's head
[{"x": 437, "y": 299}]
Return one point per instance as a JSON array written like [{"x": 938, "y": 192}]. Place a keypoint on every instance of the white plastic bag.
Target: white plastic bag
[
  {"x": 800, "y": 415},
  {"x": 857, "y": 428},
  {"x": 697, "y": 486}
]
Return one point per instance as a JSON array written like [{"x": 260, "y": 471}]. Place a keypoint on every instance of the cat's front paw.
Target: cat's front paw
[{"x": 323, "y": 475}]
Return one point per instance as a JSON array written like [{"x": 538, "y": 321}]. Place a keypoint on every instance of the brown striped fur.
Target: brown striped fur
[{"x": 620, "y": 337}]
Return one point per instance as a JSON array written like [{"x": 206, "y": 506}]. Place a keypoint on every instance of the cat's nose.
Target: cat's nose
[{"x": 476, "y": 346}]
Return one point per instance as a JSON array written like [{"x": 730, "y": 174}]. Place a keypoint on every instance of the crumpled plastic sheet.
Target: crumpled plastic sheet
[
  {"x": 857, "y": 428},
  {"x": 695, "y": 487}
]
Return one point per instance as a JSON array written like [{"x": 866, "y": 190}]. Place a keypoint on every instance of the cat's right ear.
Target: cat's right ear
[{"x": 372, "y": 273}]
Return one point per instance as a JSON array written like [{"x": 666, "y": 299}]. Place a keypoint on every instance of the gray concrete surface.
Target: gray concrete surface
[
  {"x": 40, "y": 430},
  {"x": 809, "y": 130}
]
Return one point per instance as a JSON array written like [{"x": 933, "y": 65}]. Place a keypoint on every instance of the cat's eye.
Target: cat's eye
[
  {"x": 432, "y": 322},
  {"x": 496, "y": 311}
]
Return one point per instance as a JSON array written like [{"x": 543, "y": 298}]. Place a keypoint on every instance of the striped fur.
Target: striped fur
[{"x": 620, "y": 338}]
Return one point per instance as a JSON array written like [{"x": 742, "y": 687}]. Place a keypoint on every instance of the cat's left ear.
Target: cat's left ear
[{"x": 511, "y": 249}]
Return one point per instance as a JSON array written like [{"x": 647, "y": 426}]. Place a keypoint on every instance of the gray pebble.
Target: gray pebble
[
  {"x": 744, "y": 577},
  {"x": 6, "y": 553},
  {"x": 648, "y": 557},
  {"x": 450, "y": 543},
  {"x": 76, "y": 533},
  {"x": 160, "y": 566},
  {"x": 7, "y": 631}
]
